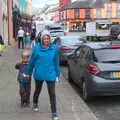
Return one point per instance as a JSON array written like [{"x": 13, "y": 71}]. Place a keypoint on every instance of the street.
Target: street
[
  {"x": 29, "y": 21},
  {"x": 70, "y": 104},
  {"x": 105, "y": 108},
  {"x": 69, "y": 100}
]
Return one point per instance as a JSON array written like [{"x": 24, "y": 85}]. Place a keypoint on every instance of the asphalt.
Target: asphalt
[{"x": 70, "y": 105}]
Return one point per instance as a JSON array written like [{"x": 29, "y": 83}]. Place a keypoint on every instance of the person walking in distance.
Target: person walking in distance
[
  {"x": 24, "y": 80},
  {"x": 20, "y": 37},
  {"x": 45, "y": 62}
]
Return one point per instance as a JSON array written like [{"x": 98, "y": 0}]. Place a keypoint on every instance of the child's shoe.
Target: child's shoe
[
  {"x": 35, "y": 108},
  {"x": 55, "y": 116},
  {"x": 27, "y": 105}
]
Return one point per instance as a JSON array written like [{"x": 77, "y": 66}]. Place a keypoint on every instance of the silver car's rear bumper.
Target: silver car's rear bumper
[{"x": 103, "y": 87}]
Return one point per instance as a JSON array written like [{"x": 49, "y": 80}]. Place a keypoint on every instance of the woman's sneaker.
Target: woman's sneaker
[
  {"x": 35, "y": 108},
  {"x": 55, "y": 116}
]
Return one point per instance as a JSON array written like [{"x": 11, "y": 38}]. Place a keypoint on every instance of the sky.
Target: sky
[{"x": 40, "y": 3}]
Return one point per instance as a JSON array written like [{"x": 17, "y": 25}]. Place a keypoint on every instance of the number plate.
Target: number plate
[{"x": 115, "y": 74}]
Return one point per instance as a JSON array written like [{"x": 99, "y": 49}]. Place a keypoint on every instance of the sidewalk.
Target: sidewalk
[{"x": 70, "y": 105}]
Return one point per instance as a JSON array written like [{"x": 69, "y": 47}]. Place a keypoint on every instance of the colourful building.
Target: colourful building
[
  {"x": 19, "y": 13},
  {"x": 22, "y": 5},
  {"x": 63, "y": 12},
  {"x": 110, "y": 10},
  {"x": 29, "y": 6},
  {"x": 75, "y": 15}
]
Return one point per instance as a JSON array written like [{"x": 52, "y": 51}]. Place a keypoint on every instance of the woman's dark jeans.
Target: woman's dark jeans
[{"x": 51, "y": 91}]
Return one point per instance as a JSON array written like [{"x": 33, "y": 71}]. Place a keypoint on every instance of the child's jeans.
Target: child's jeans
[{"x": 25, "y": 90}]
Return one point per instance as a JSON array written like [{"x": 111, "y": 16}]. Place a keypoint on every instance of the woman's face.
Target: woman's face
[{"x": 46, "y": 40}]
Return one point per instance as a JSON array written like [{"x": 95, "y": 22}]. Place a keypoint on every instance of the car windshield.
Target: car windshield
[
  {"x": 55, "y": 28},
  {"x": 71, "y": 40},
  {"x": 107, "y": 55}
]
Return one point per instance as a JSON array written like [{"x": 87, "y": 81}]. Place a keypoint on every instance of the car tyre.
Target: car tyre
[
  {"x": 69, "y": 75},
  {"x": 86, "y": 96}
]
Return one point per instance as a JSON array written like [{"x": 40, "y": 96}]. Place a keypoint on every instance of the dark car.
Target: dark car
[
  {"x": 95, "y": 67},
  {"x": 114, "y": 32},
  {"x": 67, "y": 45}
]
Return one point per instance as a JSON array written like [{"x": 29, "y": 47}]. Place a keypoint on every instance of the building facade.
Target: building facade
[
  {"x": 110, "y": 10},
  {"x": 4, "y": 20},
  {"x": 63, "y": 12},
  {"x": 18, "y": 14},
  {"x": 29, "y": 7}
]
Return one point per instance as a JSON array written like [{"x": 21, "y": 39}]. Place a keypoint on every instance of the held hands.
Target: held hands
[
  {"x": 58, "y": 79},
  {"x": 24, "y": 75}
]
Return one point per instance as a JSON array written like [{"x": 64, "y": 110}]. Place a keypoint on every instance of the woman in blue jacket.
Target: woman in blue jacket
[{"x": 45, "y": 62}]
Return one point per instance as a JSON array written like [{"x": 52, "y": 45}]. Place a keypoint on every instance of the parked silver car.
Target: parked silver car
[
  {"x": 95, "y": 67},
  {"x": 67, "y": 44}
]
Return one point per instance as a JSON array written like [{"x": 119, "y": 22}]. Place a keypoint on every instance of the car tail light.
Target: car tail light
[
  {"x": 115, "y": 47},
  {"x": 65, "y": 48},
  {"x": 93, "y": 69}
]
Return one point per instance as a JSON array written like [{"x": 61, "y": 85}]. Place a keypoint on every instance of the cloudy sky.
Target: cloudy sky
[{"x": 40, "y": 3}]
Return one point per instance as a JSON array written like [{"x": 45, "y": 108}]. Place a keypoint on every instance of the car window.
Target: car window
[
  {"x": 57, "y": 41},
  {"x": 107, "y": 55},
  {"x": 84, "y": 53},
  {"x": 71, "y": 41}
]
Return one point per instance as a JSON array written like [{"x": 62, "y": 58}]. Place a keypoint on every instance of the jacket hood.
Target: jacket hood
[{"x": 44, "y": 33}]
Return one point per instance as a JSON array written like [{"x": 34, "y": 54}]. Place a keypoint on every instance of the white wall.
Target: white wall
[{"x": 4, "y": 21}]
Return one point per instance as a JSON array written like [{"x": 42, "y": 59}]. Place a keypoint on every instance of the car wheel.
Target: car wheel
[
  {"x": 85, "y": 92},
  {"x": 69, "y": 75}
]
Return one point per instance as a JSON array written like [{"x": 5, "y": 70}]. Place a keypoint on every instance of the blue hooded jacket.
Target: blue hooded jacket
[{"x": 44, "y": 63}]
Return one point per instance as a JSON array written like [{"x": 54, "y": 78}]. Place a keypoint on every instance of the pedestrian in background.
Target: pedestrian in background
[
  {"x": 32, "y": 37},
  {"x": 2, "y": 46},
  {"x": 24, "y": 80},
  {"x": 27, "y": 39},
  {"x": 45, "y": 62},
  {"x": 20, "y": 36}
]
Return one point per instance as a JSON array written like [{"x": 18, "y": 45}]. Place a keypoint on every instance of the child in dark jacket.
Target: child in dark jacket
[{"x": 24, "y": 80}]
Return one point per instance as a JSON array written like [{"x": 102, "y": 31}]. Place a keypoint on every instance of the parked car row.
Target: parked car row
[{"x": 93, "y": 66}]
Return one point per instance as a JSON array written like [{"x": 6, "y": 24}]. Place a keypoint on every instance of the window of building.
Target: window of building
[
  {"x": 98, "y": 13},
  {"x": 109, "y": 14},
  {"x": 87, "y": 14},
  {"x": 109, "y": 7},
  {"x": 76, "y": 13},
  {"x": 118, "y": 6},
  {"x": 118, "y": 14}
]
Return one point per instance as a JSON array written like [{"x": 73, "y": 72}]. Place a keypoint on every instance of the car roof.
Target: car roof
[
  {"x": 97, "y": 45},
  {"x": 70, "y": 37}
]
